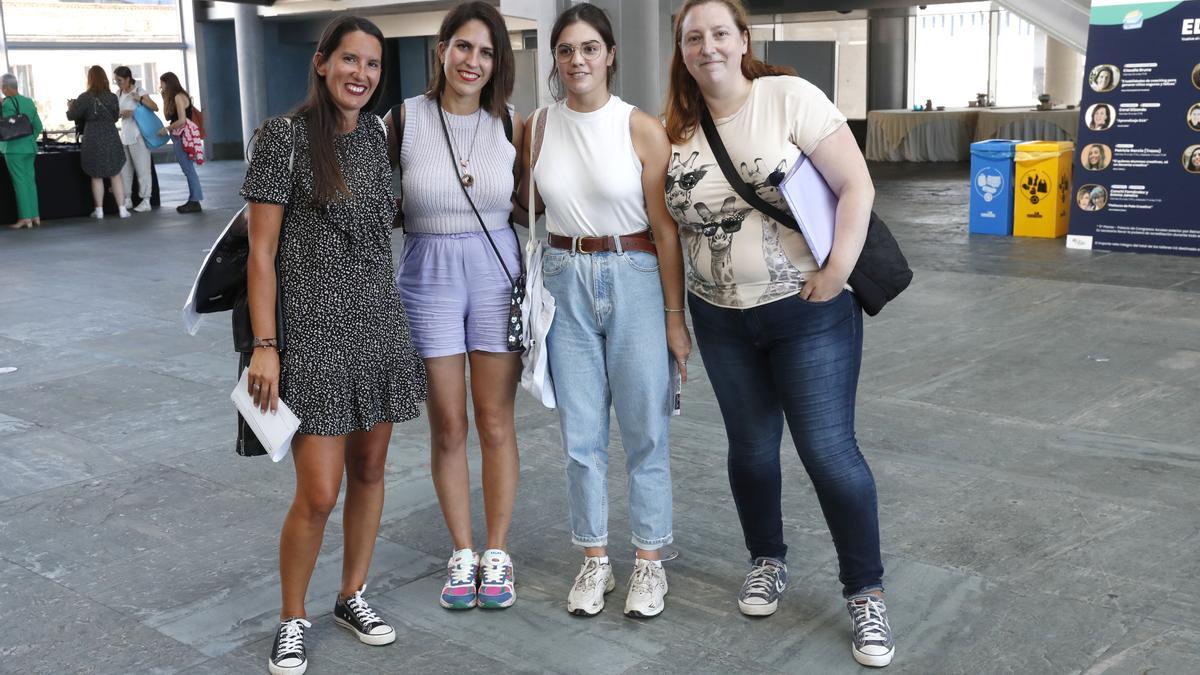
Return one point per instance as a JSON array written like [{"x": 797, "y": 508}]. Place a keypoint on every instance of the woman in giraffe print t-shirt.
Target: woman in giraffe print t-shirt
[{"x": 780, "y": 337}]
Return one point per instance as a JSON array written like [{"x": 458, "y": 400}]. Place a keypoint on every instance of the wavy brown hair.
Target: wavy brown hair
[
  {"x": 322, "y": 114},
  {"x": 684, "y": 100},
  {"x": 495, "y": 94},
  {"x": 97, "y": 81}
]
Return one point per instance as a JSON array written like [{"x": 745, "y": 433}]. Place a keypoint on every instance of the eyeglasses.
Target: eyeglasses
[{"x": 591, "y": 51}]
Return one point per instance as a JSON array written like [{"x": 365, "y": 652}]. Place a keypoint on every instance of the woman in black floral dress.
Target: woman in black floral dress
[{"x": 347, "y": 366}]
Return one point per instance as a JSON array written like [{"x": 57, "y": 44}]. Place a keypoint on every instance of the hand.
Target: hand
[
  {"x": 126, "y": 114},
  {"x": 164, "y": 131},
  {"x": 70, "y": 102},
  {"x": 679, "y": 343},
  {"x": 263, "y": 379},
  {"x": 823, "y": 285}
]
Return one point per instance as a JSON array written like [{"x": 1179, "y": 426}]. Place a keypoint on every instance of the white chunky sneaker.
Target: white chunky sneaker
[
  {"x": 647, "y": 590},
  {"x": 595, "y": 578}
]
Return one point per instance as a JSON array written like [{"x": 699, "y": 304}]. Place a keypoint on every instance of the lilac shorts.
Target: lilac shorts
[{"x": 455, "y": 291}]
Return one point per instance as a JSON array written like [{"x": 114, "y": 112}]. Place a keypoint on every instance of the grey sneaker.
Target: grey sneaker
[
  {"x": 764, "y": 584},
  {"x": 873, "y": 644}
]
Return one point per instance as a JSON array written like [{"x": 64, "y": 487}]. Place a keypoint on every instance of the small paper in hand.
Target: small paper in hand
[{"x": 273, "y": 429}]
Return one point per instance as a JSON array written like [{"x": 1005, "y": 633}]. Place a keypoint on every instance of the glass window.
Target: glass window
[
  {"x": 950, "y": 45},
  {"x": 1018, "y": 80},
  {"x": 91, "y": 21},
  {"x": 56, "y": 75}
]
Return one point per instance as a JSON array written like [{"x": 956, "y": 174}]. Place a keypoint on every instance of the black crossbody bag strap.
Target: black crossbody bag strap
[
  {"x": 450, "y": 149},
  {"x": 735, "y": 181}
]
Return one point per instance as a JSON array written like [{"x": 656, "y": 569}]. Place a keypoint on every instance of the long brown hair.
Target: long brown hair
[
  {"x": 322, "y": 114},
  {"x": 97, "y": 81},
  {"x": 495, "y": 94},
  {"x": 684, "y": 100},
  {"x": 171, "y": 89}
]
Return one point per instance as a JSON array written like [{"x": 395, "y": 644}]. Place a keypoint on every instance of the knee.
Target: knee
[
  {"x": 315, "y": 505},
  {"x": 368, "y": 470},
  {"x": 449, "y": 435},
  {"x": 495, "y": 426}
]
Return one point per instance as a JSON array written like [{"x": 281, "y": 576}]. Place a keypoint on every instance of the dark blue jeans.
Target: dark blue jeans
[{"x": 796, "y": 360}]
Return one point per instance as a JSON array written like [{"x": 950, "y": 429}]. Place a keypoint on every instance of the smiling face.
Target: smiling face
[
  {"x": 1095, "y": 156},
  {"x": 468, "y": 59},
  {"x": 1100, "y": 116},
  {"x": 712, "y": 46},
  {"x": 1103, "y": 79},
  {"x": 351, "y": 71},
  {"x": 582, "y": 59},
  {"x": 1194, "y": 116},
  {"x": 1194, "y": 161},
  {"x": 1085, "y": 200}
]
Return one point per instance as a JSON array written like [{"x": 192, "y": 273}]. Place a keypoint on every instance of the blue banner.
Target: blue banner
[{"x": 1137, "y": 155}]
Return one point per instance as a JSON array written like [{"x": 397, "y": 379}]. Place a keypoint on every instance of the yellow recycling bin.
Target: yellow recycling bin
[{"x": 1043, "y": 189}]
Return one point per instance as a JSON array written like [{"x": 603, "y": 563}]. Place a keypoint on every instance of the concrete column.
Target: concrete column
[
  {"x": 1064, "y": 72},
  {"x": 887, "y": 60},
  {"x": 252, "y": 75}
]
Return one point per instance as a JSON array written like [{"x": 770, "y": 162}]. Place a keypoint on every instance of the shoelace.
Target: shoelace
[
  {"x": 494, "y": 573},
  {"x": 463, "y": 572},
  {"x": 870, "y": 624},
  {"x": 643, "y": 579},
  {"x": 588, "y": 576},
  {"x": 292, "y": 640},
  {"x": 362, "y": 611},
  {"x": 762, "y": 580}
]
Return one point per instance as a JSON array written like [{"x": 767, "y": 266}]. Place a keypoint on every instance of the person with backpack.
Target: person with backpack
[
  {"x": 320, "y": 214},
  {"x": 455, "y": 150}
]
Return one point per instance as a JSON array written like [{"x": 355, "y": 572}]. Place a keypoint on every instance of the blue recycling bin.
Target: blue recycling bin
[{"x": 992, "y": 186}]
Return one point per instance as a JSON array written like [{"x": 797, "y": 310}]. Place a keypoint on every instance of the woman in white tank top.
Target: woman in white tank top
[{"x": 615, "y": 268}]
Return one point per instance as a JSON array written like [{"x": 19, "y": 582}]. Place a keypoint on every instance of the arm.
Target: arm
[
  {"x": 528, "y": 136},
  {"x": 264, "y": 223},
  {"x": 652, "y": 147},
  {"x": 181, "y": 106},
  {"x": 37, "y": 121},
  {"x": 841, "y": 163},
  {"x": 394, "y": 136},
  {"x": 148, "y": 102}
]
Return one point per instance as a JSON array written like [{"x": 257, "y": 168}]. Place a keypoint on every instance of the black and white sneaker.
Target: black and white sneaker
[
  {"x": 765, "y": 583},
  {"x": 354, "y": 614},
  {"x": 287, "y": 654},
  {"x": 873, "y": 644}
]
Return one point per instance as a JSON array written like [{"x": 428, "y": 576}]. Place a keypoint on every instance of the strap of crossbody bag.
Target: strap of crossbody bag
[
  {"x": 450, "y": 148},
  {"x": 735, "y": 181}
]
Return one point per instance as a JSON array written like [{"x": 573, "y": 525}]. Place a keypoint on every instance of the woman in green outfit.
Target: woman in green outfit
[{"x": 20, "y": 153}]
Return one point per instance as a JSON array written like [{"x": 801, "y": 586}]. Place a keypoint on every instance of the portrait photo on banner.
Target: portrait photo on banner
[
  {"x": 1104, "y": 78},
  {"x": 1091, "y": 197},
  {"x": 1095, "y": 156},
  {"x": 1101, "y": 117}
]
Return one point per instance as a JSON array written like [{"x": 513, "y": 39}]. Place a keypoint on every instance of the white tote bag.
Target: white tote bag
[{"x": 537, "y": 310}]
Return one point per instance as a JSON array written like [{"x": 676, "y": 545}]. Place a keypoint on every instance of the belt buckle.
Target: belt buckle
[{"x": 576, "y": 248}]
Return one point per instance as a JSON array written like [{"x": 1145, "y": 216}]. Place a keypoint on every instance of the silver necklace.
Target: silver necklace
[{"x": 464, "y": 163}]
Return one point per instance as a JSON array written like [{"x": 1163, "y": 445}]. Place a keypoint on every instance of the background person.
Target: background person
[
  {"x": 20, "y": 154},
  {"x": 780, "y": 337},
  {"x": 348, "y": 368},
  {"x": 102, "y": 152},
  {"x": 177, "y": 107},
  {"x": 614, "y": 267},
  {"x": 137, "y": 155},
  {"x": 456, "y": 290}
]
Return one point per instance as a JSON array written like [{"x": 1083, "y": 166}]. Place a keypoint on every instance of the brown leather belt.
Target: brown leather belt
[{"x": 641, "y": 241}]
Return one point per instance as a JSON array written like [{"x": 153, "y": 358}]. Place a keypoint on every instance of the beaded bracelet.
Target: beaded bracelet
[{"x": 271, "y": 343}]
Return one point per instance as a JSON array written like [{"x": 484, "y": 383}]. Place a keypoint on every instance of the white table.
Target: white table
[
  {"x": 1027, "y": 124},
  {"x": 920, "y": 136}
]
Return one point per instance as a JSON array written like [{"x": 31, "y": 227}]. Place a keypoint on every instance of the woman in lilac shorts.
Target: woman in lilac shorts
[{"x": 454, "y": 280}]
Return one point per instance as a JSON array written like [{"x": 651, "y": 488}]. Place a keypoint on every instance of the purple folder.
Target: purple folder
[{"x": 813, "y": 205}]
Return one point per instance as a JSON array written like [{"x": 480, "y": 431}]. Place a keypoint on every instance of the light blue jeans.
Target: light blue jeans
[
  {"x": 195, "y": 192},
  {"x": 608, "y": 346}
]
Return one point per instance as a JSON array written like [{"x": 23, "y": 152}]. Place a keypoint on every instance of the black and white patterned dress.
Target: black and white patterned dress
[{"x": 349, "y": 361}]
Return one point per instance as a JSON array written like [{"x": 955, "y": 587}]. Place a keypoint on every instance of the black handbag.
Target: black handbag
[
  {"x": 516, "y": 324},
  {"x": 881, "y": 273},
  {"x": 16, "y": 125}
]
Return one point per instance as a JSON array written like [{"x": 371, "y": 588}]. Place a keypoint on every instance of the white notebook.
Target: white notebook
[
  {"x": 813, "y": 205},
  {"x": 274, "y": 430}
]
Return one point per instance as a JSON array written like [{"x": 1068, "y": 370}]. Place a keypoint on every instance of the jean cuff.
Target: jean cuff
[
  {"x": 590, "y": 542},
  {"x": 652, "y": 544},
  {"x": 863, "y": 591}
]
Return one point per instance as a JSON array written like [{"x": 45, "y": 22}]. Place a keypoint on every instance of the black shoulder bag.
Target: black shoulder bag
[
  {"x": 16, "y": 125},
  {"x": 881, "y": 272},
  {"x": 516, "y": 325}
]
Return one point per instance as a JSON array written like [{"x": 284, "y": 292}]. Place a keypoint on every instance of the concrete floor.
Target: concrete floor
[{"x": 1030, "y": 414}]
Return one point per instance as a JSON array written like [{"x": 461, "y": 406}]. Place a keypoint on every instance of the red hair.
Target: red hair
[{"x": 684, "y": 100}]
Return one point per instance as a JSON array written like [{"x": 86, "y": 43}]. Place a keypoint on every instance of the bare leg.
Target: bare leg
[
  {"x": 366, "y": 459},
  {"x": 448, "y": 426},
  {"x": 98, "y": 192},
  {"x": 319, "y": 464},
  {"x": 494, "y": 378},
  {"x": 118, "y": 190}
]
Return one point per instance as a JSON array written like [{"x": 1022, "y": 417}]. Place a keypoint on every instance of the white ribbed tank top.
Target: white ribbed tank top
[
  {"x": 433, "y": 201},
  {"x": 588, "y": 173}
]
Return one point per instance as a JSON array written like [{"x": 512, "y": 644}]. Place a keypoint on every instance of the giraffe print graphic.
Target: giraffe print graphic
[{"x": 785, "y": 279}]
